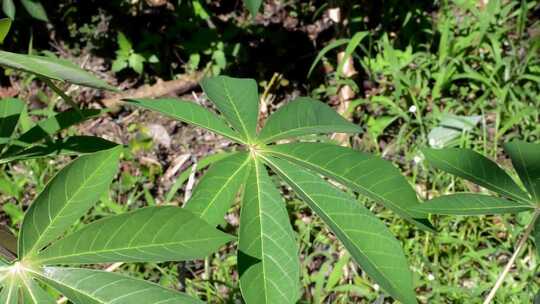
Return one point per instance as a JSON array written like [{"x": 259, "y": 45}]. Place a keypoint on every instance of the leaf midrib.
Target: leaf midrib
[{"x": 267, "y": 139}]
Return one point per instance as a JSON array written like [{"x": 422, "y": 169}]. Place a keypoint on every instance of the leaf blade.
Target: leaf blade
[
  {"x": 267, "y": 251},
  {"x": 472, "y": 204},
  {"x": 105, "y": 287},
  {"x": 10, "y": 111},
  {"x": 217, "y": 189},
  {"x": 369, "y": 175},
  {"x": 237, "y": 99},
  {"x": 66, "y": 198},
  {"x": 368, "y": 240},
  {"x": 526, "y": 160},
  {"x": 189, "y": 112},
  {"x": 476, "y": 168},
  {"x": 149, "y": 234},
  {"x": 304, "y": 116}
]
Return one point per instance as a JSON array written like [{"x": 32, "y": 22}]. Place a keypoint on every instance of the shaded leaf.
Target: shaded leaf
[
  {"x": 304, "y": 116},
  {"x": 526, "y": 160},
  {"x": 5, "y": 25},
  {"x": 9, "y": 8},
  {"x": 10, "y": 111},
  {"x": 476, "y": 168},
  {"x": 371, "y": 176},
  {"x": 53, "y": 68},
  {"x": 237, "y": 99},
  {"x": 472, "y": 204},
  {"x": 267, "y": 251},
  {"x": 35, "y": 9},
  {"x": 87, "y": 286},
  {"x": 218, "y": 187},
  {"x": 188, "y": 112},
  {"x": 368, "y": 240},
  {"x": 153, "y": 234},
  {"x": 66, "y": 198}
]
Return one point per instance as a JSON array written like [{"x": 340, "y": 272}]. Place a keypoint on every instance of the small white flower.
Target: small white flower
[
  {"x": 376, "y": 287},
  {"x": 431, "y": 277},
  {"x": 412, "y": 109},
  {"x": 417, "y": 159}
]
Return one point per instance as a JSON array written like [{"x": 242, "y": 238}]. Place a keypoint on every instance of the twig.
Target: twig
[{"x": 520, "y": 245}]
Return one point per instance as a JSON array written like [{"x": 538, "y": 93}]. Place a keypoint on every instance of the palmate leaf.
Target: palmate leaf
[
  {"x": 52, "y": 68},
  {"x": 369, "y": 175},
  {"x": 472, "y": 204},
  {"x": 304, "y": 116},
  {"x": 475, "y": 168},
  {"x": 85, "y": 286},
  {"x": 66, "y": 198},
  {"x": 218, "y": 187},
  {"x": 368, "y": 240},
  {"x": 267, "y": 251},
  {"x": 526, "y": 160},
  {"x": 237, "y": 99},
  {"x": 153, "y": 234},
  {"x": 189, "y": 112},
  {"x": 10, "y": 111}
]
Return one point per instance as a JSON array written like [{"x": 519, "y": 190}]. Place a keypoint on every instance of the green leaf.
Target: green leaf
[
  {"x": 304, "y": 116},
  {"x": 35, "y": 9},
  {"x": 66, "y": 198},
  {"x": 33, "y": 293},
  {"x": 218, "y": 187},
  {"x": 476, "y": 168},
  {"x": 371, "y": 176},
  {"x": 85, "y": 286},
  {"x": 368, "y": 240},
  {"x": 53, "y": 68},
  {"x": 472, "y": 204},
  {"x": 10, "y": 111},
  {"x": 325, "y": 50},
  {"x": 69, "y": 146},
  {"x": 5, "y": 25},
  {"x": 267, "y": 251},
  {"x": 349, "y": 50},
  {"x": 136, "y": 62},
  {"x": 56, "y": 123},
  {"x": 237, "y": 99},
  {"x": 10, "y": 292},
  {"x": 189, "y": 112},
  {"x": 253, "y": 6},
  {"x": 9, "y": 8},
  {"x": 536, "y": 235},
  {"x": 153, "y": 234},
  {"x": 526, "y": 160}
]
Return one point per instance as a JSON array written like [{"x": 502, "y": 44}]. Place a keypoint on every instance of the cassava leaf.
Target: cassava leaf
[
  {"x": 85, "y": 286},
  {"x": 371, "y": 176},
  {"x": 526, "y": 160},
  {"x": 476, "y": 168},
  {"x": 304, "y": 116},
  {"x": 267, "y": 251},
  {"x": 52, "y": 68},
  {"x": 153, "y": 234},
  {"x": 10, "y": 292},
  {"x": 189, "y": 112},
  {"x": 237, "y": 99},
  {"x": 66, "y": 198},
  {"x": 35, "y": 9},
  {"x": 472, "y": 204},
  {"x": 218, "y": 187},
  {"x": 368, "y": 240},
  {"x": 10, "y": 111},
  {"x": 33, "y": 293}
]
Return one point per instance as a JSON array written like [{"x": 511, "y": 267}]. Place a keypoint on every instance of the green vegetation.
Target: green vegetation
[{"x": 125, "y": 151}]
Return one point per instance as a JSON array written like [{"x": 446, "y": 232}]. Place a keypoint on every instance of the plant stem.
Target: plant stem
[
  {"x": 61, "y": 93},
  {"x": 520, "y": 245}
]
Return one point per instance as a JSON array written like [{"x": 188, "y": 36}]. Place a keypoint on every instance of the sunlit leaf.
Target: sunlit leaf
[
  {"x": 472, "y": 204},
  {"x": 153, "y": 234},
  {"x": 5, "y": 25}
]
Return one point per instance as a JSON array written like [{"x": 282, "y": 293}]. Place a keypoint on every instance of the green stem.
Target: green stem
[{"x": 63, "y": 95}]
